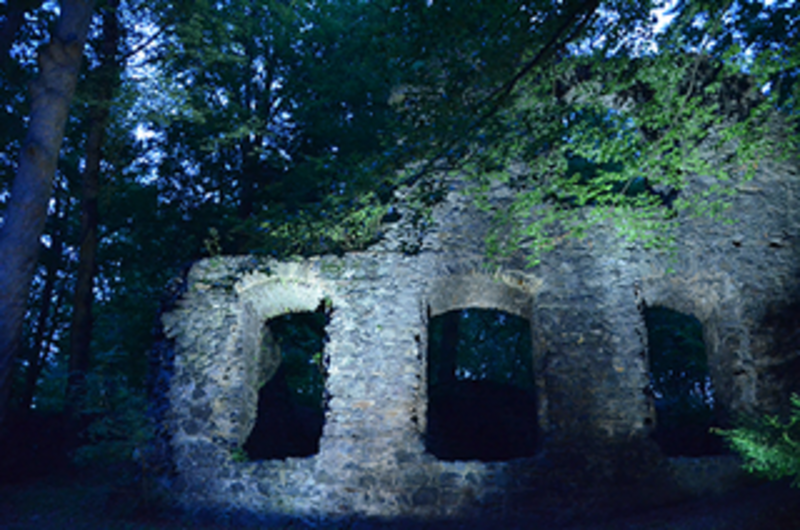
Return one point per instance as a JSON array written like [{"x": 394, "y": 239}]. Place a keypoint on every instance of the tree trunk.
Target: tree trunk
[
  {"x": 47, "y": 321},
  {"x": 105, "y": 79},
  {"x": 51, "y": 94},
  {"x": 251, "y": 170},
  {"x": 37, "y": 362}
]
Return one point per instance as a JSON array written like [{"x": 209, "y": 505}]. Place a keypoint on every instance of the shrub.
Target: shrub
[{"x": 770, "y": 446}]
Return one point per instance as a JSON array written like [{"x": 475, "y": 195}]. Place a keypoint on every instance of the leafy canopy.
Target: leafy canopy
[{"x": 293, "y": 123}]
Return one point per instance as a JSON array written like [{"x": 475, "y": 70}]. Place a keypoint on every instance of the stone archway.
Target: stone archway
[{"x": 511, "y": 294}]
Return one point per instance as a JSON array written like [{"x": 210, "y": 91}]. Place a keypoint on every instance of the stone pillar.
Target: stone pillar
[
  {"x": 374, "y": 369},
  {"x": 592, "y": 333}
]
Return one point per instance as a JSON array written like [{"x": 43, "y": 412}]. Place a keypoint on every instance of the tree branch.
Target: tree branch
[{"x": 566, "y": 30}]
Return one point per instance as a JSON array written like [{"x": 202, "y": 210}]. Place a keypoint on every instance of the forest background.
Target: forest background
[{"x": 279, "y": 127}]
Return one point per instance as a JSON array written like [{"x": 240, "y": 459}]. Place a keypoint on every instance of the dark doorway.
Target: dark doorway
[
  {"x": 291, "y": 405},
  {"x": 681, "y": 384},
  {"x": 481, "y": 396}
]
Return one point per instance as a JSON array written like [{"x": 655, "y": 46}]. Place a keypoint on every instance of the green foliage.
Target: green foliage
[
  {"x": 635, "y": 123},
  {"x": 122, "y": 429},
  {"x": 119, "y": 428},
  {"x": 330, "y": 227},
  {"x": 239, "y": 455},
  {"x": 52, "y": 388},
  {"x": 212, "y": 243},
  {"x": 293, "y": 136},
  {"x": 282, "y": 116},
  {"x": 770, "y": 446},
  {"x": 656, "y": 109}
]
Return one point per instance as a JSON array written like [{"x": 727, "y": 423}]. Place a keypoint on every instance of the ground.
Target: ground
[{"x": 95, "y": 503}]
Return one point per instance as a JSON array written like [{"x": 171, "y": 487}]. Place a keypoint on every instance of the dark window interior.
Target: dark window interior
[
  {"x": 482, "y": 402},
  {"x": 291, "y": 405},
  {"x": 681, "y": 384}
]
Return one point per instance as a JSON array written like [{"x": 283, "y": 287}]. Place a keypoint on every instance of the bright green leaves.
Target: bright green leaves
[
  {"x": 630, "y": 141},
  {"x": 335, "y": 226},
  {"x": 770, "y": 446}
]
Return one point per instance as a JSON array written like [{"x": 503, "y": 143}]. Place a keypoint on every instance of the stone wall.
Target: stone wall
[{"x": 584, "y": 302}]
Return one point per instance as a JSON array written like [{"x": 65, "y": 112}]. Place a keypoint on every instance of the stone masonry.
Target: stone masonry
[{"x": 584, "y": 302}]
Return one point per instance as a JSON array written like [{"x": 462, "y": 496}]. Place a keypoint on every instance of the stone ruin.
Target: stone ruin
[{"x": 584, "y": 303}]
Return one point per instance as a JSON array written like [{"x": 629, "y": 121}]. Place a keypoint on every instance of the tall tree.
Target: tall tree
[
  {"x": 59, "y": 68},
  {"x": 104, "y": 79},
  {"x": 224, "y": 135},
  {"x": 50, "y": 298}
]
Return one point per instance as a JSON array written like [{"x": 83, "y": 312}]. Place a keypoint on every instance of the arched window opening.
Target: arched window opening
[
  {"x": 482, "y": 399},
  {"x": 292, "y": 404},
  {"x": 681, "y": 384}
]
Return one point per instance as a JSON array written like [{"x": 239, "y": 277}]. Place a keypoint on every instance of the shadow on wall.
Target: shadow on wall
[
  {"x": 291, "y": 405},
  {"x": 783, "y": 324},
  {"x": 681, "y": 384},
  {"x": 482, "y": 403}
]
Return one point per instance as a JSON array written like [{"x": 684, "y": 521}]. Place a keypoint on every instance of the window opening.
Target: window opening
[
  {"x": 482, "y": 399},
  {"x": 292, "y": 404},
  {"x": 681, "y": 384}
]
